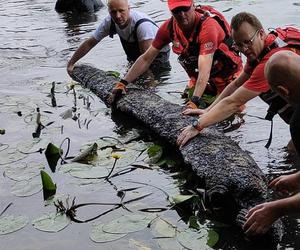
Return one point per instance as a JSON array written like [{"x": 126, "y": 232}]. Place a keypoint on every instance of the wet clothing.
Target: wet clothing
[
  {"x": 140, "y": 28},
  {"x": 257, "y": 82},
  {"x": 207, "y": 37}
]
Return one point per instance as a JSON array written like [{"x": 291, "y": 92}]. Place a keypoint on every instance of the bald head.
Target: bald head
[
  {"x": 119, "y": 10},
  {"x": 282, "y": 71},
  {"x": 115, "y": 2}
]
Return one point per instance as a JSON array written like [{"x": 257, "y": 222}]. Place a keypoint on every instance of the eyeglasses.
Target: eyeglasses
[
  {"x": 247, "y": 44},
  {"x": 177, "y": 10}
]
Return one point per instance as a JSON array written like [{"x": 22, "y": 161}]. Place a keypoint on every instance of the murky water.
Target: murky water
[{"x": 35, "y": 45}]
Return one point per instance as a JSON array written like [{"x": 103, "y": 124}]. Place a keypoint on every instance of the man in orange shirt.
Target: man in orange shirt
[
  {"x": 204, "y": 46},
  {"x": 258, "y": 46}
]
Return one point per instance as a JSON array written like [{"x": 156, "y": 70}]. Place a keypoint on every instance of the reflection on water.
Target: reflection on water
[{"x": 35, "y": 45}]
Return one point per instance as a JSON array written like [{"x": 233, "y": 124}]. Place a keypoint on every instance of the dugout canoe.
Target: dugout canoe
[{"x": 233, "y": 181}]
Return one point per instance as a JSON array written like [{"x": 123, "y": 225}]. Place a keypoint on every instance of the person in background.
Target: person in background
[
  {"x": 258, "y": 46},
  {"x": 135, "y": 29},
  {"x": 283, "y": 74},
  {"x": 204, "y": 46}
]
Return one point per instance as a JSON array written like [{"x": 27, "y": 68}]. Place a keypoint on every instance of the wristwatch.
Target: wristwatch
[{"x": 196, "y": 125}]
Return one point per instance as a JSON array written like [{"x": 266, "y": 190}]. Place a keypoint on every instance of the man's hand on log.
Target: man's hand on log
[
  {"x": 118, "y": 90},
  {"x": 260, "y": 218},
  {"x": 187, "y": 133},
  {"x": 193, "y": 111},
  {"x": 286, "y": 184}
]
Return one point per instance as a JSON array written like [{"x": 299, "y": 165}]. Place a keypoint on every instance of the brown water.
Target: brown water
[{"x": 35, "y": 45}]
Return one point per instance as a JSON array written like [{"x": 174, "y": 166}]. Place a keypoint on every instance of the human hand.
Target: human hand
[
  {"x": 286, "y": 184},
  {"x": 260, "y": 218},
  {"x": 118, "y": 90},
  {"x": 187, "y": 133},
  {"x": 193, "y": 111}
]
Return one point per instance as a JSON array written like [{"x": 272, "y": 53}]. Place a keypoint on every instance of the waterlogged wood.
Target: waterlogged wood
[{"x": 232, "y": 178}]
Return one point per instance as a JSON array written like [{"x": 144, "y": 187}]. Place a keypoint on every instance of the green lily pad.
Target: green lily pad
[
  {"x": 26, "y": 187},
  {"x": 179, "y": 198},
  {"x": 11, "y": 223},
  {"x": 49, "y": 188},
  {"x": 87, "y": 154},
  {"x": 10, "y": 155},
  {"x": 90, "y": 173},
  {"x": 155, "y": 152},
  {"x": 52, "y": 154},
  {"x": 22, "y": 171},
  {"x": 52, "y": 222},
  {"x": 73, "y": 166},
  {"x": 99, "y": 236},
  {"x": 162, "y": 228},
  {"x": 31, "y": 146},
  {"x": 128, "y": 224},
  {"x": 194, "y": 240}
]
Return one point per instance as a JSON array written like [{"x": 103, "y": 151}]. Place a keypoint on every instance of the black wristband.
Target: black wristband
[
  {"x": 124, "y": 82},
  {"x": 198, "y": 101}
]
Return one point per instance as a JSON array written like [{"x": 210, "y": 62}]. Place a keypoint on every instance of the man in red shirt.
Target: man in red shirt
[
  {"x": 252, "y": 40},
  {"x": 283, "y": 73},
  {"x": 204, "y": 46}
]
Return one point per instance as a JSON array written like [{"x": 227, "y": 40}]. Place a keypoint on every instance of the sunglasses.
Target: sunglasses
[
  {"x": 248, "y": 43},
  {"x": 177, "y": 10}
]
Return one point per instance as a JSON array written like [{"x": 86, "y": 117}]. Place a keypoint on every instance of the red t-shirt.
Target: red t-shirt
[
  {"x": 257, "y": 81},
  {"x": 211, "y": 35}
]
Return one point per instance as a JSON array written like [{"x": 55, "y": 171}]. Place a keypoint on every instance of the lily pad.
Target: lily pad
[
  {"x": 194, "y": 240},
  {"x": 73, "y": 166},
  {"x": 155, "y": 152},
  {"x": 31, "y": 146},
  {"x": 128, "y": 224},
  {"x": 87, "y": 154},
  {"x": 49, "y": 188},
  {"x": 164, "y": 229},
  {"x": 22, "y": 171},
  {"x": 10, "y": 155},
  {"x": 179, "y": 198},
  {"x": 99, "y": 236},
  {"x": 52, "y": 222},
  {"x": 11, "y": 223},
  {"x": 90, "y": 173},
  {"x": 52, "y": 154},
  {"x": 26, "y": 187}
]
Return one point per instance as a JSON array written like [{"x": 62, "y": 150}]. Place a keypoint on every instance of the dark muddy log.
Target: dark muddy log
[{"x": 233, "y": 180}]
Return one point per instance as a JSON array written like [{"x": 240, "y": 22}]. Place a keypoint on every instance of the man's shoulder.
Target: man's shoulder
[{"x": 137, "y": 15}]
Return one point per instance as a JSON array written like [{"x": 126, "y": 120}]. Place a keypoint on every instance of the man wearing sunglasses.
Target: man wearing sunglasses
[
  {"x": 252, "y": 40},
  {"x": 204, "y": 50}
]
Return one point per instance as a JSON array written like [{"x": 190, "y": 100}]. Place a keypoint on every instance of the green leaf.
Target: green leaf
[
  {"x": 87, "y": 154},
  {"x": 52, "y": 222},
  {"x": 193, "y": 222},
  {"x": 49, "y": 188},
  {"x": 128, "y": 224},
  {"x": 90, "y": 173},
  {"x": 11, "y": 223},
  {"x": 52, "y": 154},
  {"x": 154, "y": 152},
  {"x": 116, "y": 74},
  {"x": 163, "y": 229},
  {"x": 179, "y": 198},
  {"x": 2, "y": 131},
  {"x": 98, "y": 235},
  {"x": 213, "y": 238},
  {"x": 23, "y": 171},
  {"x": 195, "y": 240}
]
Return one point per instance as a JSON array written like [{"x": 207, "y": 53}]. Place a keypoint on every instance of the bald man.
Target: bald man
[
  {"x": 135, "y": 29},
  {"x": 283, "y": 74}
]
